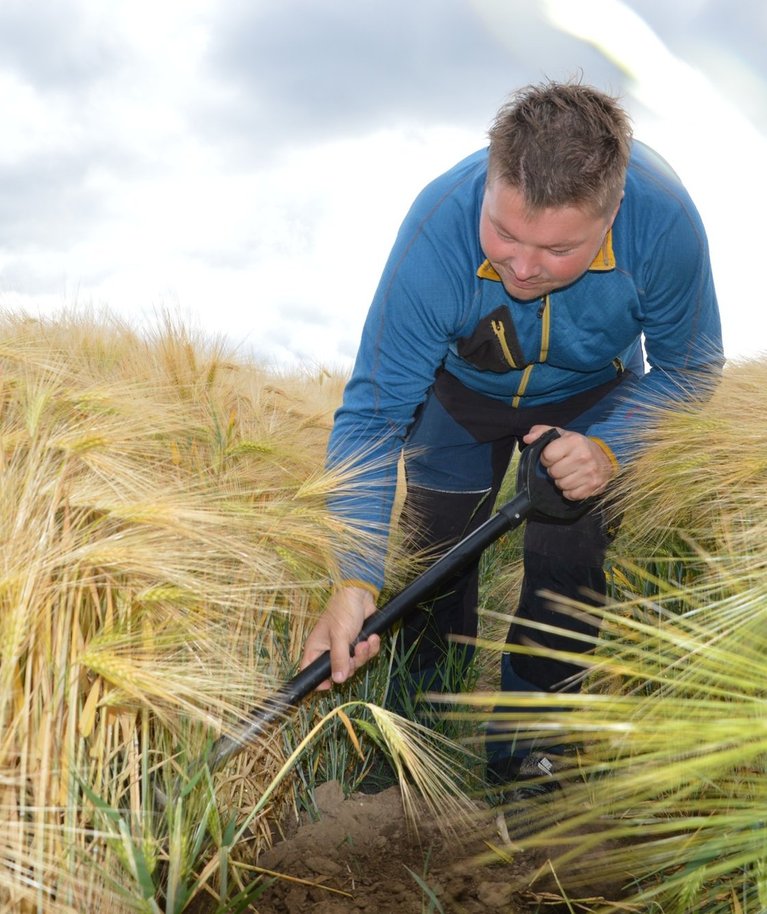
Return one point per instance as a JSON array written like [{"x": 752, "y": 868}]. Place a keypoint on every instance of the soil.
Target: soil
[{"x": 361, "y": 855}]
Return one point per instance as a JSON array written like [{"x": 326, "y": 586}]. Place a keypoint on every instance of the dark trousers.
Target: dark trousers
[{"x": 456, "y": 457}]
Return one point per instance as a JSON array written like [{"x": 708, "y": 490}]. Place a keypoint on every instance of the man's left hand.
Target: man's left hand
[{"x": 578, "y": 465}]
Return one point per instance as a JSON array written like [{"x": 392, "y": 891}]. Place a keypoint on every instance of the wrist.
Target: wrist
[
  {"x": 608, "y": 452},
  {"x": 358, "y": 584}
]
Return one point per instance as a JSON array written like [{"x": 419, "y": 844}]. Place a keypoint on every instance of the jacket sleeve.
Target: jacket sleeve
[
  {"x": 681, "y": 333},
  {"x": 405, "y": 339}
]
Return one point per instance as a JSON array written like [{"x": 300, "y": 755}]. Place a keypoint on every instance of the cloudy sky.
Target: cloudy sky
[{"x": 246, "y": 163}]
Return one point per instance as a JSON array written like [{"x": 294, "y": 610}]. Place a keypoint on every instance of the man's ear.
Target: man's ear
[{"x": 615, "y": 211}]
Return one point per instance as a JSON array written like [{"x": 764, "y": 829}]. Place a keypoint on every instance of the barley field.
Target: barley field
[
  {"x": 164, "y": 540},
  {"x": 165, "y": 546}
]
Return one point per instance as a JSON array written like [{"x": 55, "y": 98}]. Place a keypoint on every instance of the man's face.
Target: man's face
[{"x": 535, "y": 253}]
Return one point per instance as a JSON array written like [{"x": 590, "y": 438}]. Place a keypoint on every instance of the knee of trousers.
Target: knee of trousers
[
  {"x": 559, "y": 600},
  {"x": 434, "y": 520},
  {"x": 557, "y": 631},
  {"x": 582, "y": 541},
  {"x": 572, "y": 570}
]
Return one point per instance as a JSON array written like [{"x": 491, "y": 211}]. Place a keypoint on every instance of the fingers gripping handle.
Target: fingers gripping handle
[{"x": 546, "y": 499}]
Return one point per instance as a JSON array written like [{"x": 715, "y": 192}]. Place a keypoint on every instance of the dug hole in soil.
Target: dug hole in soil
[{"x": 361, "y": 855}]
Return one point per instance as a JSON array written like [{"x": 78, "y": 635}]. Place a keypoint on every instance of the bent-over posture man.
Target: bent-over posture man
[{"x": 520, "y": 289}]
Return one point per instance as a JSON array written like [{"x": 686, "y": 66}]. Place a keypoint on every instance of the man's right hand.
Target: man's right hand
[{"x": 336, "y": 630}]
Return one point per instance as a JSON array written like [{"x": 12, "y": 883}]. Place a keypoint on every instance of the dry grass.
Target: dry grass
[
  {"x": 164, "y": 540},
  {"x": 704, "y": 472},
  {"x": 668, "y": 793}
]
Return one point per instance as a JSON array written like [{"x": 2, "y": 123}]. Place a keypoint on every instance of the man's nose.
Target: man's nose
[{"x": 524, "y": 263}]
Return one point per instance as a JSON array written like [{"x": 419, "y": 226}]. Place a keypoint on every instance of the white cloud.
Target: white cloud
[
  {"x": 717, "y": 151},
  {"x": 133, "y": 190}
]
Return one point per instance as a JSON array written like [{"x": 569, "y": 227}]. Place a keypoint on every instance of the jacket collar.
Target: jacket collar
[{"x": 602, "y": 263}]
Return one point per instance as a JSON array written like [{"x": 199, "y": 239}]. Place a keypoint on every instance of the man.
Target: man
[{"x": 516, "y": 298}]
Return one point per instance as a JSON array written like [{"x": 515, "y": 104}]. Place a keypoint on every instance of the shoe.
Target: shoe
[
  {"x": 536, "y": 777},
  {"x": 506, "y": 771},
  {"x": 526, "y": 799},
  {"x": 500, "y": 772}
]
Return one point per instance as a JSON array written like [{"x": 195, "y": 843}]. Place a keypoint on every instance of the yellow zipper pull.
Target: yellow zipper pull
[{"x": 500, "y": 332}]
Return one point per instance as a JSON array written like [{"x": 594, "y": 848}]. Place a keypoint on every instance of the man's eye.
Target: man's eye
[{"x": 561, "y": 253}]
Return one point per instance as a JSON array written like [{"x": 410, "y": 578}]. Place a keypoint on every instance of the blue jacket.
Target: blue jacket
[{"x": 651, "y": 282}]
